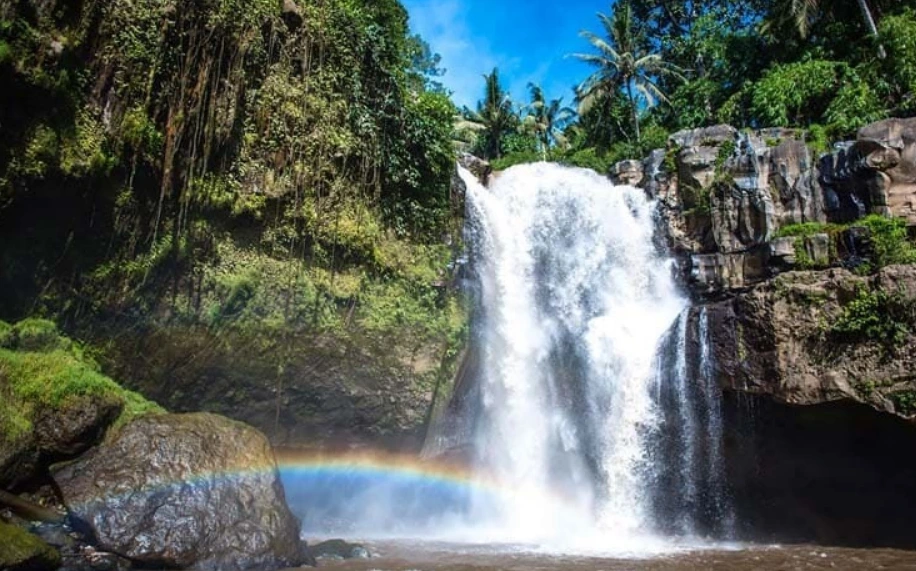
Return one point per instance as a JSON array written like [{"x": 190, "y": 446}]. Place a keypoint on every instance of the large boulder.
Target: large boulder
[{"x": 184, "y": 491}]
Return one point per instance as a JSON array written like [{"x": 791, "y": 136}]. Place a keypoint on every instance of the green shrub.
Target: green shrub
[
  {"x": 904, "y": 402},
  {"x": 806, "y": 229},
  {"x": 795, "y": 93},
  {"x": 516, "y": 158},
  {"x": 6, "y": 52},
  {"x": 818, "y": 139},
  {"x": 589, "y": 158},
  {"x": 889, "y": 240},
  {"x": 875, "y": 315},
  {"x": 896, "y": 33},
  {"x": 856, "y": 104}
]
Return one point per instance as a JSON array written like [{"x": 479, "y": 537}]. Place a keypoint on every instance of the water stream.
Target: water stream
[{"x": 594, "y": 422}]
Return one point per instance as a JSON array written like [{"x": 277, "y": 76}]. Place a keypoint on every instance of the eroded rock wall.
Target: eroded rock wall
[
  {"x": 811, "y": 338},
  {"x": 724, "y": 195}
]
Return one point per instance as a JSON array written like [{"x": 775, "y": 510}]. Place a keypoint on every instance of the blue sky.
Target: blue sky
[{"x": 526, "y": 39}]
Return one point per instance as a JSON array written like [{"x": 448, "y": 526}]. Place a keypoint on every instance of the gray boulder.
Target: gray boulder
[{"x": 184, "y": 491}]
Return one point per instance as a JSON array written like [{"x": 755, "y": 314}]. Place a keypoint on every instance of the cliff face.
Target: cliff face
[
  {"x": 803, "y": 263},
  {"x": 792, "y": 255},
  {"x": 242, "y": 207}
]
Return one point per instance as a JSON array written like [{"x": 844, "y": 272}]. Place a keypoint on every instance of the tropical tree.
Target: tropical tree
[
  {"x": 547, "y": 119},
  {"x": 622, "y": 62},
  {"x": 495, "y": 117},
  {"x": 802, "y": 11}
]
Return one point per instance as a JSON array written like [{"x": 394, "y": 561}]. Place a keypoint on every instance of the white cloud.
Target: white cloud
[{"x": 445, "y": 26}]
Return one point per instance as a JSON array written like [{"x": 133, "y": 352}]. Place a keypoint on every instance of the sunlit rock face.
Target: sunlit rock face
[
  {"x": 184, "y": 491},
  {"x": 884, "y": 173},
  {"x": 723, "y": 196}
]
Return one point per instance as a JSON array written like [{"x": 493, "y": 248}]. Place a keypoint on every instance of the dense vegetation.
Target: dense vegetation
[
  {"x": 241, "y": 178},
  {"x": 138, "y": 137},
  {"x": 663, "y": 65}
]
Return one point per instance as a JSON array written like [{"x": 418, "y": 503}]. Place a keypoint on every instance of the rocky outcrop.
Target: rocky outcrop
[
  {"x": 809, "y": 344},
  {"x": 184, "y": 491},
  {"x": 795, "y": 339},
  {"x": 724, "y": 195},
  {"x": 876, "y": 173}
]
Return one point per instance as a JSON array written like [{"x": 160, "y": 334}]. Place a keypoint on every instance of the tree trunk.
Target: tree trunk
[
  {"x": 870, "y": 23},
  {"x": 635, "y": 111}
]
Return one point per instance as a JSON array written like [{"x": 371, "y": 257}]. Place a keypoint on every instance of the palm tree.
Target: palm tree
[
  {"x": 547, "y": 118},
  {"x": 622, "y": 63},
  {"x": 494, "y": 115},
  {"x": 803, "y": 10}
]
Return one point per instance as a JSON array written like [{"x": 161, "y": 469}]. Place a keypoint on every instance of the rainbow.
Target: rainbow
[
  {"x": 383, "y": 464},
  {"x": 415, "y": 487},
  {"x": 303, "y": 468}
]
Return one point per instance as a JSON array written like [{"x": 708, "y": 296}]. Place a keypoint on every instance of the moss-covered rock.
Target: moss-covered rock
[
  {"x": 22, "y": 551},
  {"x": 55, "y": 404}
]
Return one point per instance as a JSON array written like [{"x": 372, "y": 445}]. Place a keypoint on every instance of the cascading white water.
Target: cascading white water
[
  {"x": 592, "y": 413},
  {"x": 575, "y": 301}
]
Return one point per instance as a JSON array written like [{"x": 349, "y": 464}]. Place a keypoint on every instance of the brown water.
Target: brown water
[{"x": 412, "y": 556}]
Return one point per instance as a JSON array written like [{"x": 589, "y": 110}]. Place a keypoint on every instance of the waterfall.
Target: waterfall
[
  {"x": 587, "y": 406},
  {"x": 576, "y": 302},
  {"x": 690, "y": 493}
]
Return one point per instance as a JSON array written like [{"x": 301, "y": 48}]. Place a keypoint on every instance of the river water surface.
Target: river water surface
[{"x": 426, "y": 556}]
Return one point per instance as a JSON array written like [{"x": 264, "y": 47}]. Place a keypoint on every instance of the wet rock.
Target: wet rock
[
  {"x": 627, "y": 173},
  {"x": 705, "y": 136},
  {"x": 58, "y": 434},
  {"x": 339, "y": 549},
  {"x": 478, "y": 167},
  {"x": 195, "y": 490},
  {"x": 23, "y": 551}
]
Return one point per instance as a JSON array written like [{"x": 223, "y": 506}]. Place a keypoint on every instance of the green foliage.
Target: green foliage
[
  {"x": 877, "y": 316},
  {"x": 856, "y": 104},
  {"x": 7, "y": 335},
  {"x": 6, "y": 52},
  {"x": 37, "y": 335},
  {"x": 889, "y": 240},
  {"x": 817, "y": 139},
  {"x": 726, "y": 151},
  {"x": 19, "y": 548},
  {"x": 896, "y": 33},
  {"x": 516, "y": 158},
  {"x": 495, "y": 116},
  {"x": 796, "y": 93},
  {"x": 46, "y": 371},
  {"x": 590, "y": 158},
  {"x": 807, "y": 229},
  {"x": 904, "y": 402}
]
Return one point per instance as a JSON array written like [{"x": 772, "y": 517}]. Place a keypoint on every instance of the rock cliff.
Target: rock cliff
[{"x": 803, "y": 262}]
